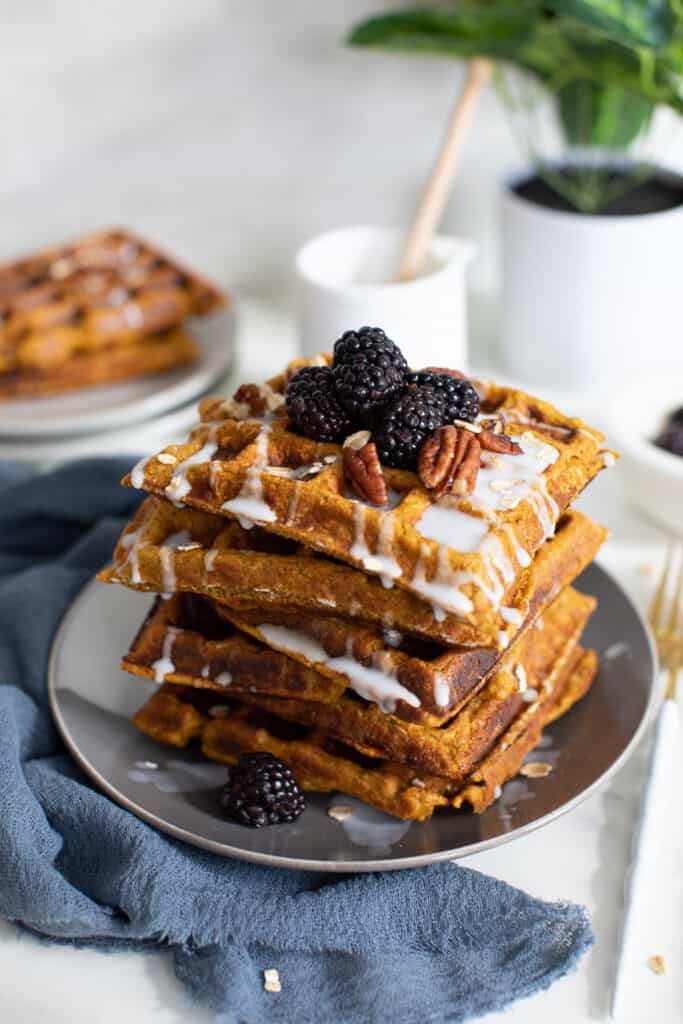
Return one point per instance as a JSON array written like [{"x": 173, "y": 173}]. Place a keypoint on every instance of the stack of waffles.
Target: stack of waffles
[
  {"x": 98, "y": 311},
  {"x": 407, "y": 654}
]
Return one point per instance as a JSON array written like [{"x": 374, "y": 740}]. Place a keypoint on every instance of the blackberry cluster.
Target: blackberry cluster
[
  {"x": 370, "y": 386},
  {"x": 462, "y": 400},
  {"x": 671, "y": 437},
  {"x": 313, "y": 406},
  {"x": 368, "y": 370},
  {"x": 407, "y": 424},
  {"x": 261, "y": 790}
]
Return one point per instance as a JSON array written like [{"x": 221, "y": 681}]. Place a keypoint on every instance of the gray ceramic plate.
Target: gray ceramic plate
[{"x": 175, "y": 791}]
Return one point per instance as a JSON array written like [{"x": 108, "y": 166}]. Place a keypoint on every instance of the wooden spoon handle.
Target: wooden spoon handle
[{"x": 438, "y": 186}]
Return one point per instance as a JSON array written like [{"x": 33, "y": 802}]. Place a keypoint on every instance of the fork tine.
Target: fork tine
[
  {"x": 657, "y": 606},
  {"x": 676, "y": 613}
]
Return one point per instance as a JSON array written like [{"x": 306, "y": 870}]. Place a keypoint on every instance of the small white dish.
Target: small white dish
[
  {"x": 119, "y": 405},
  {"x": 345, "y": 281},
  {"x": 652, "y": 477}
]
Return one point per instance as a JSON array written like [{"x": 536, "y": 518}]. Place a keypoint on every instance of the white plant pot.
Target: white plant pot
[
  {"x": 589, "y": 301},
  {"x": 344, "y": 282}
]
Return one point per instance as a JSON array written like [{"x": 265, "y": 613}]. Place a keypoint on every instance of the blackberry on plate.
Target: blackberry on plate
[
  {"x": 407, "y": 424},
  {"x": 313, "y": 407},
  {"x": 462, "y": 400},
  {"x": 261, "y": 790},
  {"x": 368, "y": 369}
]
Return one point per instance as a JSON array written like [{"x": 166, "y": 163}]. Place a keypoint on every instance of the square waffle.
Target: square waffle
[
  {"x": 107, "y": 290},
  {"x": 464, "y": 556},
  {"x": 154, "y": 354},
  {"x": 183, "y": 642},
  {"x": 168, "y": 549},
  {"x": 454, "y": 745},
  {"x": 176, "y": 716}
]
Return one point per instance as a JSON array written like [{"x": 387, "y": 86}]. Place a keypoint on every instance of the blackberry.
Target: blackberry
[
  {"x": 368, "y": 369},
  {"x": 261, "y": 790},
  {"x": 407, "y": 424},
  {"x": 462, "y": 401},
  {"x": 671, "y": 438},
  {"x": 313, "y": 406}
]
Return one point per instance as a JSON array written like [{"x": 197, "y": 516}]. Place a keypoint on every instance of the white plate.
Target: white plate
[
  {"x": 136, "y": 439},
  {"x": 117, "y": 405},
  {"x": 176, "y": 790}
]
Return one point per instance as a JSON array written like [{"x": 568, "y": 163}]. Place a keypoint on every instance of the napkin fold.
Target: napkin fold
[{"x": 437, "y": 944}]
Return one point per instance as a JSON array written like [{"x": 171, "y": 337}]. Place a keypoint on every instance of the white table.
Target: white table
[{"x": 580, "y": 857}]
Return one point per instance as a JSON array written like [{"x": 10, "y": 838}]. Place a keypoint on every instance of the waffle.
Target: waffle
[
  {"x": 167, "y": 549},
  {"x": 157, "y": 353},
  {"x": 454, "y": 748},
  {"x": 176, "y": 715},
  {"x": 465, "y": 556},
  {"x": 184, "y": 641},
  {"x": 107, "y": 289}
]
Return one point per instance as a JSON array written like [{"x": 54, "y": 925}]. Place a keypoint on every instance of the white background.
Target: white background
[{"x": 231, "y": 132}]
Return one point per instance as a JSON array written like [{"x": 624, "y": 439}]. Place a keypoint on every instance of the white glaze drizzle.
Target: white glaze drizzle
[
  {"x": 248, "y": 506},
  {"x": 179, "y": 486},
  {"x": 448, "y": 525},
  {"x": 209, "y": 562},
  {"x": 137, "y": 474},
  {"x": 168, "y": 577},
  {"x": 512, "y": 616},
  {"x": 383, "y": 562},
  {"x": 164, "y": 665},
  {"x": 523, "y": 557},
  {"x": 442, "y": 691},
  {"x": 293, "y": 504},
  {"x": 131, "y": 543},
  {"x": 375, "y": 684}
]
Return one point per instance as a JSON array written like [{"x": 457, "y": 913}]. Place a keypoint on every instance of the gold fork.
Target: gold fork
[
  {"x": 656, "y": 825},
  {"x": 668, "y": 628}
]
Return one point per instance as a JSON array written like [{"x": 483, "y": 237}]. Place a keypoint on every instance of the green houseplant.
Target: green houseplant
[
  {"x": 605, "y": 64},
  {"x": 591, "y": 234}
]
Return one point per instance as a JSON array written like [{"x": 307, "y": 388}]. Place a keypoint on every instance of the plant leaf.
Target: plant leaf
[
  {"x": 629, "y": 22},
  {"x": 494, "y": 30},
  {"x": 602, "y": 115}
]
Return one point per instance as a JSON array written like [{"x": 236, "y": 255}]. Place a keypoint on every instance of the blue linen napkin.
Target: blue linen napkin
[{"x": 438, "y": 944}]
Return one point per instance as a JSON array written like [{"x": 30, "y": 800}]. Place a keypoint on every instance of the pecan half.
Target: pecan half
[
  {"x": 501, "y": 444},
  {"x": 449, "y": 461},
  {"x": 250, "y": 394},
  {"x": 364, "y": 474}
]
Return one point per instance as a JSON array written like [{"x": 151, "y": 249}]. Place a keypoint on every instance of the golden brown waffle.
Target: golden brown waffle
[
  {"x": 452, "y": 749},
  {"x": 261, "y": 472},
  {"x": 154, "y": 354},
  {"x": 182, "y": 641},
  {"x": 176, "y": 716},
  {"x": 109, "y": 288},
  {"x": 167, "y": 549},
  {"x": 185, "y": 641},
  {"x": 433, "y": 682}
]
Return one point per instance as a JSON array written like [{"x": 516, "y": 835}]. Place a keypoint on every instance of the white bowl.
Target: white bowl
[{"x": 653, "y": 478}]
